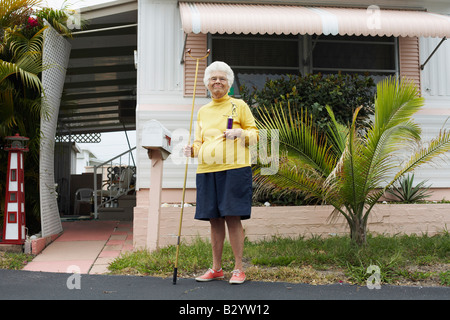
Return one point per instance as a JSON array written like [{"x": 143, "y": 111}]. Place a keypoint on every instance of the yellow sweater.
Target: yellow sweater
[{"x": 214, "y": 152}]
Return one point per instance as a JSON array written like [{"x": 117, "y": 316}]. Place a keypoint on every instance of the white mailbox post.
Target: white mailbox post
[{"x": 157, "y": 140}]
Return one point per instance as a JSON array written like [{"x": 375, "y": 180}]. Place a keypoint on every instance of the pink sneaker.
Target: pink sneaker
[
  {"x": 210, "y": 275},
  {"x": 237, "y": 277}
]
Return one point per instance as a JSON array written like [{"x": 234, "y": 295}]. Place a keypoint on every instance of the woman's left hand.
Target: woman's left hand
[{"x": 232, "y": 133}]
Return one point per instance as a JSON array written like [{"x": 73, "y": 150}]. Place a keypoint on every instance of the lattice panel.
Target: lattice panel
[
  {"x": 81, "y": 138},
  {"x": 56, "y": 51}
]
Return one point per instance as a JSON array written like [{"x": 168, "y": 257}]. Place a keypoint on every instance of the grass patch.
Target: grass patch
[
  {"x": 404, "y": 259},
  {"x": 15, "y": 261}
]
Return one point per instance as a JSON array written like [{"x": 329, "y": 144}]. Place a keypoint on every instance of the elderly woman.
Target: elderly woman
[{"x": 224, "y": 176}]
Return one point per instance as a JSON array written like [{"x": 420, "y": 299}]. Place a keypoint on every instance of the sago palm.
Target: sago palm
[{"x": 351, "y": 169}]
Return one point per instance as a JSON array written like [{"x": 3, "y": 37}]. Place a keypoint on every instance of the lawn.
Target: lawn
[{"x": 402, "y": 260}]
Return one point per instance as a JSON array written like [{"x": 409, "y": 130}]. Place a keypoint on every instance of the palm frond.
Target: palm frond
[
  {"x": 10, "y": 9},
  {"x": 57, "y": 18},
  {"x": 396, "y": 101},
  {"x": 26, "y": 62},
  {"x": 299, "y": 138},
  {"x": 305, "y": 162},
  {"x": 20, "y": 45},
  {"x": 7, "y": 108},
  {"x": 337, "y": 132},
  {"x": 292, "y": 176},
  {"x": 25, "y": 69},
  {"x": 437, "y": 147}
]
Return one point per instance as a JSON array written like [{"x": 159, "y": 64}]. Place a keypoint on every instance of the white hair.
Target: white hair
[{"x": 219, "y": 66}]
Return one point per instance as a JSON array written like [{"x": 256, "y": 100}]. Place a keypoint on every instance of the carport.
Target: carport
[{"x": 98, "y": 96}]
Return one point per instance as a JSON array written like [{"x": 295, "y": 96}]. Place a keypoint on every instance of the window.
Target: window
[
  {"x": 256, "y": 58},
  {"x": 12, "y": 197},
  {"x": 266, "y": 54},
  {"x": 12, "y": 217},
  {"x": 13, "y": 175},
  {"x": 351, "y": 54}
]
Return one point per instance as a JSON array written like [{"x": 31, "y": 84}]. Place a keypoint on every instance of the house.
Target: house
[
  {"x": 149, "y": 70},
  {"x": 257, "y": 38}
]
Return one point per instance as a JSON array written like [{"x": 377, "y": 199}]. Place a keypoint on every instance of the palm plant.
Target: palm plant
[
  {"x": 20, "y": 64},
  {"x": 350, "y": 169},
  {"x": 21, "y": 107},
  {"x": 20, "y": 83},
  {"x": 21, "y": 59}
]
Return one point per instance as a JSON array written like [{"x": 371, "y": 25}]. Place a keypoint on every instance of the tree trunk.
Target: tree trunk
[{"x": 358, "y": 231}]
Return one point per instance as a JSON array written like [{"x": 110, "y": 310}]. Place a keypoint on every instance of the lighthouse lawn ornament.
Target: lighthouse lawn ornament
[{"x": 14, "y": 217}]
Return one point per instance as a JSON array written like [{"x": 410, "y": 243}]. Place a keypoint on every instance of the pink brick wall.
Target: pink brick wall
[
  {"x": 294, "y": 221},
  {"x": 39, "y": 244}
]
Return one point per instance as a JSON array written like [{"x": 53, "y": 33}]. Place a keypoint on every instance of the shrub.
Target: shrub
[
  {"x": 312, "y": 92},
  {"x": 404, "y": 191}
]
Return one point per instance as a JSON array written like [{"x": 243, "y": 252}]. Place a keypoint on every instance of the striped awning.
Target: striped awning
[{"x": 289, "y": 19}]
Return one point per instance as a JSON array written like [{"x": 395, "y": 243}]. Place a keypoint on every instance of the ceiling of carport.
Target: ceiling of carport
[{"x": 100, "y": 87}]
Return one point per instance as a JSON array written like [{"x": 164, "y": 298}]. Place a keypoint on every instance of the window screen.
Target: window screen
[{"x": 257, "y": 58}]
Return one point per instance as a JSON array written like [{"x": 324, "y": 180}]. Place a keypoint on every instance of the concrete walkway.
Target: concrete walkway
[{"x": 86, "y": 247}]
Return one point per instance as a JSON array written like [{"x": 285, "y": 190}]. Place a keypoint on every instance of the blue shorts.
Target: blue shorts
[{"x": 224, "y": 193}]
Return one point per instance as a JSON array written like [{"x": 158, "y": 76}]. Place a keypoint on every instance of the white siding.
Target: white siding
[
  {"x": 435, "y": 86},
  {"x": 160, "y": 46},
  {"x": 438, "y": 172},
  {"x": 436, "y": 74},
  {"x": 160, "y": 86}
]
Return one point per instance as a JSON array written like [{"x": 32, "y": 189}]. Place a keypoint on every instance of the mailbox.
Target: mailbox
[{"x": 157, "y": 137}]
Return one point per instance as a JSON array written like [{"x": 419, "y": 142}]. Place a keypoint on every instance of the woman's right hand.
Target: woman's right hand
[{"x": 187, "y": 151}]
